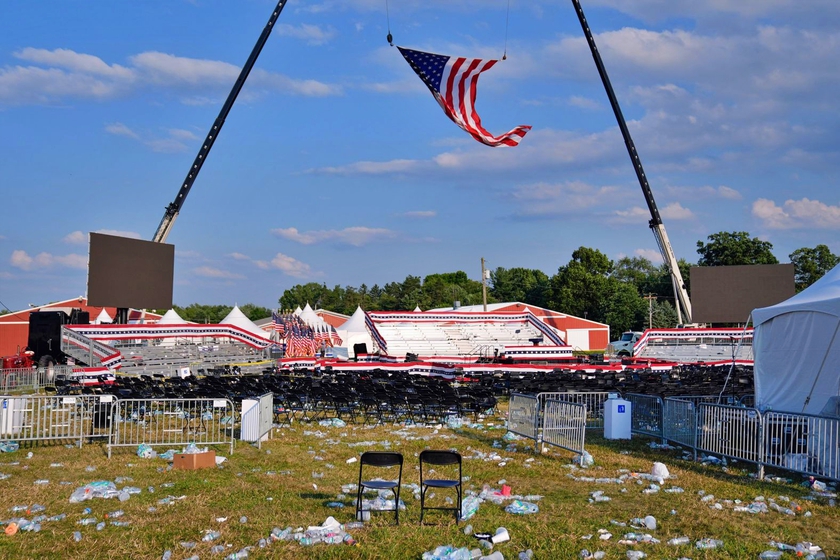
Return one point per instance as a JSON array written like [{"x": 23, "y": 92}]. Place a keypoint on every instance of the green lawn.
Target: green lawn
[{"x": 275, "y": 487}]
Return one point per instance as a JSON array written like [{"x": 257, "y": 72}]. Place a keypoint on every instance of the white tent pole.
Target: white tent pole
[
  {"x": 820, "y": 370},
  {"x": 732, "y": 367}
]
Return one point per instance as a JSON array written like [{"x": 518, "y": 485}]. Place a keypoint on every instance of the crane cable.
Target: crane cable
[
  {"x": 507, "y": 21},
  {"x": 390, "y": 37}
]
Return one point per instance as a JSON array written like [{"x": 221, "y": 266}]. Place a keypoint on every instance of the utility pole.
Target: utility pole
[
  {"x": 650, "y": 298},
  {"x": 484, "y": 283}
]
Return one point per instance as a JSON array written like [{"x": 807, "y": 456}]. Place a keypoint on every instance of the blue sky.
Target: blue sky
[{"x": 337, "y": 166}]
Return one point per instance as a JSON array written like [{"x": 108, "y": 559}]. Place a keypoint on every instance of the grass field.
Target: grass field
[{"x": 275, "y": 487}]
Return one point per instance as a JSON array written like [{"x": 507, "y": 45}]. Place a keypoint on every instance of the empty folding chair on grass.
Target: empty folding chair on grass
[
  {"x": 379, "y": 460},
  {"x": 448, "y": 460}
]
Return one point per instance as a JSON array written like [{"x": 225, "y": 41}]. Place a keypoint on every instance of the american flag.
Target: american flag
[{"x": 454, "y": 81}]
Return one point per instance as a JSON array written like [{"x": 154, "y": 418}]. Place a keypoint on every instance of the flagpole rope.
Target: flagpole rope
[
  {"x": 507, "y": 21},
  {"x": 390, "y": 37}
]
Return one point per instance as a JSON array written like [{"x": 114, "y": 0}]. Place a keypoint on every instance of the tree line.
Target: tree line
[{"x": 626, "y": 294}]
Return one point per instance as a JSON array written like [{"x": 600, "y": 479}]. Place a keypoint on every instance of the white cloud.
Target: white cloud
[
  {"x": 695, "y": 193},
  {"x": 212, "y": 272},
  {"x": 120, "y": 129},
  {"x": 169, "y": 69},
  {"x": 676, "y": 211},
  {"x": 182, "y": 134},
  {"x": 291, "y": 266},
  {"x": 583, "y": 102},
  {"x": 312, "y": 34},
  {"x": 653, "y": 255},
  {"x": 60, "y": 74},
  {"x": 120, "y": 233},
  {"x": 356, "y": 236},
  {"x": 77, "y": 62},
  {"x": 22, "y": 260},
  {"x": 797, "y": 214},
  {"x": 634, "y": 215},
  {"x": 548, "y": 199},
  {"x": 420, "y": 214},
  {"x": 76, "y": 238},
  {"x": 374, "y": 167}
]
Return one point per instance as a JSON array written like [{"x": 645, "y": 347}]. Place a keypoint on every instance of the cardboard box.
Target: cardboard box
[{"x": 193, "y": 461}]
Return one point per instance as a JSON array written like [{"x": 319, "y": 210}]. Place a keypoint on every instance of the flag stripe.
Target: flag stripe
[{"x": 454, "y": 83}]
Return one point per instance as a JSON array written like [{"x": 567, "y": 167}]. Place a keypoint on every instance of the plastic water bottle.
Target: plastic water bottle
[{"x": 679, "y": 540}]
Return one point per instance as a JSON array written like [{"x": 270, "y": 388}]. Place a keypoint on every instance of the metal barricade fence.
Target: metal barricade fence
[
  {"x": 729, "y": 400},
  {"x": 802, "y": 443},
  {"x": 172, "y": 422},
  {"x": 646, "y": 414},
  {"x": 731, "y": 431},
  {"x": 679, "y": 421},
  {"x": 523, "y": 413},
  {"x": 564, "y": 425},
  {"x": 594, "y": 402},
  {"x": 54, "y": 418}
]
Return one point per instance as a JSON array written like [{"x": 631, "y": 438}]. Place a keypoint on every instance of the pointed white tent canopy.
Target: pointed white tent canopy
[
  {"x": 354, "y": 331},
  {"x": 238, "y": 319},
  {"x": 103, "y": 317},
  {"x": 797, "y": 349},
  {"x": 171, "y": 317},
  {"x": 311, "y": 318}
]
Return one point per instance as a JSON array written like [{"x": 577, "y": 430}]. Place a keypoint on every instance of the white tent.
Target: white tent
[
  {"x": 797, "y": 349},
  {"x": 171, "y": 317},
  {"x": 311, "y": 318},
  {"x": 354, "y": 331},
  {"x": 238, "y": 319},
  {"x": 103, "y": 318}
]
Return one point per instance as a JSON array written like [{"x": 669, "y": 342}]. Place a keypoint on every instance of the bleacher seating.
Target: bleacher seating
[{"x": 450, "y": 338}]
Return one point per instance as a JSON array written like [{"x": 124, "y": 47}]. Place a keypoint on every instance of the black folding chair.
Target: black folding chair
[
  {"x": 440, "y": 459},
  {"x": 379, "y": 459}
]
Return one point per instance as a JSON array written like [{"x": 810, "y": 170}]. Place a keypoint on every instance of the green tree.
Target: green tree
[
  {"x": 255, "y": 312},
  {"x": 301, "y": 294},
  {"x": 624, "y": 310},
  {"x": 811, "y": 264},
  {"x": 582, "y": 286},
  {"x": 519, "y": 284},
  {"x": 734, "y": 248}
]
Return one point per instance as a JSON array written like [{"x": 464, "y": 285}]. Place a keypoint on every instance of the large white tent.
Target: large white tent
[
  {"x": 797, "y": 349},
  {"x": 354, "y": 331},
  {"x": 238, "y": 319}
]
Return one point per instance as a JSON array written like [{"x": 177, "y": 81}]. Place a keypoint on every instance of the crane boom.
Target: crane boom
[
  {"x": 174, "y": 207},
  {"x": 683, "y": 304}
]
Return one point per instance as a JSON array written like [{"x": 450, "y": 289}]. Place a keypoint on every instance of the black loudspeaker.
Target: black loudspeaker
[{"x": 360, "y": 348}]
